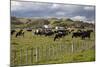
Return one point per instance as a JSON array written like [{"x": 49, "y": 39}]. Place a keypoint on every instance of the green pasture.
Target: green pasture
[{"x": 33, "y": 41}]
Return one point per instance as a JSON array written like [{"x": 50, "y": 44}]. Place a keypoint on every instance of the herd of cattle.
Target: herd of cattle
[{"x": 57, "y": 34}]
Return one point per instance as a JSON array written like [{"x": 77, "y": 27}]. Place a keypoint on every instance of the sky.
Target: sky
[{"x": 47, "y": 10}]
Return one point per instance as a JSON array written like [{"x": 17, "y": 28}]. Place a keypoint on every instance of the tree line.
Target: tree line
[{"x": 39, "y": 22}]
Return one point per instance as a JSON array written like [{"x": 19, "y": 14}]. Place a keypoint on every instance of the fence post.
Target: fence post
[
  {"x": 27, "y": 56},
  {"x": 32, "y": 55},
  {"x": 14, "y": 62},
  {"x": 60, "y": 50},
  {"x": 56, "y": 51},
  {"x": 72, "y": 47},
  {"x": 49, "y": 53},
  {"x": 46, "y": 53},
  {"x": 36, "y": 54},
  {"x": 42, "y": 55},
  {"x": 53, "y": 52},
  {"x": 21, "y": 57},
  {"x": 83, "y": 45}
]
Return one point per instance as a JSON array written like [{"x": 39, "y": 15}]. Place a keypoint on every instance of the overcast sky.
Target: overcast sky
[{"x": 37, "y": 9}]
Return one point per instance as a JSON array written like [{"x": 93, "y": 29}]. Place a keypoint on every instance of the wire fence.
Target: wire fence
[{"x": 34, "y": 56}]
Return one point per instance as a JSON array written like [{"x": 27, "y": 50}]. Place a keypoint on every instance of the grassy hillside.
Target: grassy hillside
[{"x": 38, "y": 22}]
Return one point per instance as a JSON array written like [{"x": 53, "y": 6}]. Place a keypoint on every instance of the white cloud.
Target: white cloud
[
  {"x": 60, "y": 13},
  {"x": 65, "y": 7},
  {"x": 55, "y": 6},
  {"x": 15, "y": 5},
  {"x": 92, "y": 21},
  {"x": 89, "y": 8},
  {"x": 81, "y": 18}
]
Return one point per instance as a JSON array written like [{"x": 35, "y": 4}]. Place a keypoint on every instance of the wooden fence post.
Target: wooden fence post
[
  {"x": 46, "y": 53},
  {"x": 31, "y": 55},
  {"x": 27, "y": 56},
  {"x": 42, "y": 55},
  {"x": 14, "y": 62},
  {"x": 72, "y": 47},
  {"x": 21, "y": 57},
  {"x": 60, "y": 49},
  {"x": 53, "y": 52},
  {"x": 56, "y": 51},
  {"x": 49, "y": 54},
  {"x": 36, "y": 58}
]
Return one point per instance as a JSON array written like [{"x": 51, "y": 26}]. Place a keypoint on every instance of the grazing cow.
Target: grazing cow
[
  {"x": 13, "y": 31},
  {"x": 76, "y": 34},
  {"x": 43, "y": 32},
  {"x": 29, "y": 30},
  {"x": 60, "y": 34},
  {"x": 39, "y": 32},
  {"x": 49, "y": 33},
  {"x": 20, "y": 33},
  {"x": 82, "y": 34},
  {"x": 86, "y": 34}
]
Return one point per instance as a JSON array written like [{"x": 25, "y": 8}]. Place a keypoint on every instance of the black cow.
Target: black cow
[
  {"x": 13, "y": 31},
  {"x": 82, "y": 34},
  {"x": 60, "y": 35},
  {"x": 86, "y": 34},
  {"x": 29, "y": 30},
  {"x": 76, "y": 34},
  {"x": 20, "y": 33},
  {"x": 49, "y": 33}
]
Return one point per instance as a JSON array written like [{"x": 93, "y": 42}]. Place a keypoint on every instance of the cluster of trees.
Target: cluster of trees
[
  {"x": 15, "y": 21},
  {"x": 38, "y": 22}
]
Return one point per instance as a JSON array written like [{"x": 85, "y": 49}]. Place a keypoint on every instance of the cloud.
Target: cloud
[
  {"x": 92, "y": 21},
  {"x": 38, "y": 9},
  {"x": 15, "y": 5},
  {"x": 60, "y": 13},
  {"x": 81, "y": 18},
  {"x": 89, "y": 8},
  {"x": 55, "y": 6},
  {"x": 26, "y": 6}
]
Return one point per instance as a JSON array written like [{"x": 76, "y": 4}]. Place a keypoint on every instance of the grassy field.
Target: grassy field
[{"x": 80, "y": 54}]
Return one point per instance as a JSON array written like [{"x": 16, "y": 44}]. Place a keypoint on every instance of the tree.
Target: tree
[{"x": 38, "y": 23}]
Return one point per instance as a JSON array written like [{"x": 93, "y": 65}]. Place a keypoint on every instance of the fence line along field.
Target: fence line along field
[{"x": 41, "y": 49}]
